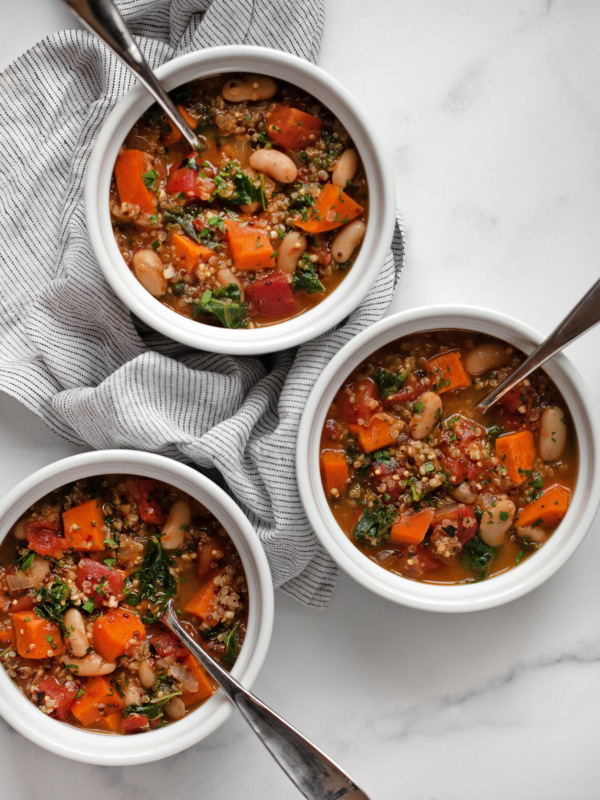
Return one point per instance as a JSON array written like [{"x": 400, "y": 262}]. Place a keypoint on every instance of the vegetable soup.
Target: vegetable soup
[
  {"x": 259, "y": 226},
  {"x": 429, "y": 489},
  {"x": 84, "y": 575}
]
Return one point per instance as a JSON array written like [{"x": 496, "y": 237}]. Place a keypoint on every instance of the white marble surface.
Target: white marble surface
[{"x": 492, "y": 117}]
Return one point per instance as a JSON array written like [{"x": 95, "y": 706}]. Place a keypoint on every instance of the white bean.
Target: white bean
[
  {"x": 19, "y": 529},
  {"x": 175, "y": 708},
  {"x": 347, "y": 240},
  {"x": 146, "y": 675},
  {"x": 148, "y": 269},
  {"x": 535, "y": 535},
  {"x": 132, "y": 692},
  {"x": 291, "y": 248},
  {"x": 553, "y": 433},
  {"x": 464, "y": 494},
  {"x": 429, "y": 409},
  {"x": 92, "y": 664},
  {"x": 226, "y": 276},
  {"x": 250, "y": 87},
  {"x": 250, "y": 208},
  {"x": 345, "y": 168},
  {"x": 38, "y": 570},
  {"x": 75, "y": 637},
  {"x": 275, "y": 164},
  {"x": 496, "y": 520},
  {"x": 485, "y": 357},
  {"x": 172, "y": 533}
]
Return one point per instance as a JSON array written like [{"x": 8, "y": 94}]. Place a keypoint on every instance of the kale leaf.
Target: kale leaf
[
  {"x": 244, "y": 191},
  {"x": 305, "y": 277},
  {"x": 232, "y": 642},
  {"x": 375, "y": 523},
  {"x": 477, "y": 555},
  {"x": 26, "y": 559},
  {"x": 302, "y": 201},
  {"x": 153, "y": 709},
  {"x": 157, "y": 583},
  {"x": 493, "y": 432},
  {"x": 55, "y": 601},
  {"x": 390, "y": 382},
  {"x": 185, "y": 218},
  {"x": 225, "y": 303}
]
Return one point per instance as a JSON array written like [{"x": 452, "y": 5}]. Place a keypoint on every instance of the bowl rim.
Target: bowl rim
[
  {"x": 375, "y": 246},
  {"x": 117, "y": 750},
  {"x": 431, "y": 597}
]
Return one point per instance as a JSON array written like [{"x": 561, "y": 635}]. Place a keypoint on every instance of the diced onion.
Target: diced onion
[
  {"x": 184, "y": 677},
  {"x": 19, "y": 581}
]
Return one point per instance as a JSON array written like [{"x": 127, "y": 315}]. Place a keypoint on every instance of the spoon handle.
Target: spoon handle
[
  {"x": 580, "y": 319},
  {"x": 103, "y": 18},
  {"x": 314, "y": 773}
]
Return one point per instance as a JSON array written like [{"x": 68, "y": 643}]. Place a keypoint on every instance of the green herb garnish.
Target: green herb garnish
[
  {"x": 225, "y": 303},
  {"x": 375, "y": 523},
  {"x": 305, "y": 277},
  {"x": 232, "y": 642},
  {"x": 390, "y": 382},
  {"x": 55, "y": 601}
]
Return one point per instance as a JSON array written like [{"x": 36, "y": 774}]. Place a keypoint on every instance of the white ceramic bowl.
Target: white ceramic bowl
[
  {"x": 116, "y": 750},
  {"x": 279, "y": 336},
  {"x": 470, "y": 597}
]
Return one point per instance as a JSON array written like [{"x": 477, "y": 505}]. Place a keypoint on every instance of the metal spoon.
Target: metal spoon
[
  {"x": 580, "y": 319},
  {"x": 103, "y": 18},
  {"x": 314, "y": 773}
]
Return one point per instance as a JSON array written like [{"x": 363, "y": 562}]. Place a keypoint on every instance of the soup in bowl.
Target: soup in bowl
[
  {"x": 423, "y": 500},
  {"x": 431, "y": 490},
  {"x": 264, "y": 239},
  {"x": 91, "y": 549},
  {"x": 259, "y": 226}
]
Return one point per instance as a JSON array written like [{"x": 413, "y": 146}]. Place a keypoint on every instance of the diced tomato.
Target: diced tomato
[
  {"x": 461, "y": 518},
  {"x": 380, "y": 474},
  {"x": 167, "y": 644},
  {"x": 150, "y": 509},
  {"x": 468, "y": 438},
  {"x": 322, "y": 253},
  {"x": 25, "y": 603},
  {"x": 94, "y": 577},
  {"x": 135, "y": 724},
  {"x": 191, "y": 182},
  {"x": 354, "y": 401},
  {"x": 407, "y": 394},
  {"x": 43, "y": 538},
  {"x": 517, "y": 397},
  {"x": 332, "y": 432},
  {"x": 417, "y": 561},
  {"x": 272, "y": 296},
  {"x": 57, "y": 691}
]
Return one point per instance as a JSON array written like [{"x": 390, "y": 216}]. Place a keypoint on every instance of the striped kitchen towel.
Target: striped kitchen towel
[{"x": 70, "y": 351}]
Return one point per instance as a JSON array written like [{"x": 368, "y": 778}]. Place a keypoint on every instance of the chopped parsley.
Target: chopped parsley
[
  {"x": 27, "y": 559},
  {"x": 149, "y": 179}
]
